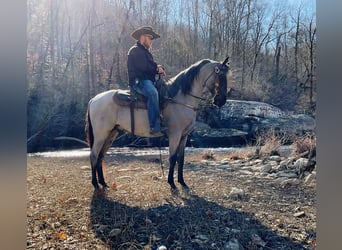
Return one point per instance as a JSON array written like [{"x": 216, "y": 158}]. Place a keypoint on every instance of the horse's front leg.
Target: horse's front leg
[
  {"x": 180, "y": 161},
  {"x": 173, "y": 152},
  {"x": 172, "y": 162},
  {"x": 96, "y": 157}
]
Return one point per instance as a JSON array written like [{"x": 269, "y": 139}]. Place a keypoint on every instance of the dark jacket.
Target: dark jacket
[{"x": 140, "y": 64}]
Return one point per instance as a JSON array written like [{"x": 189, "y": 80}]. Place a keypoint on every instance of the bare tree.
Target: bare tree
[
  {"x": 78, "y": 48},
  {"x": 261, "y": 34}
]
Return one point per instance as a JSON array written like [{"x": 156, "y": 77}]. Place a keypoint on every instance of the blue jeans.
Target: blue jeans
[{"x": 150, "y": 92}]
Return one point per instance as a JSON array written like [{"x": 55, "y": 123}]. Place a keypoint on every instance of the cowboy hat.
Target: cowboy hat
[{"x": 144, "y": 31}]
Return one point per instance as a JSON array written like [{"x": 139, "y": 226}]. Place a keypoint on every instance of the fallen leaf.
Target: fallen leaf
[
  {"x": 62, "y": 236},
  {"x": 114, "y": 186},
  {"x": 209, "y": 212},
  {"x": 154, "y": 195}
]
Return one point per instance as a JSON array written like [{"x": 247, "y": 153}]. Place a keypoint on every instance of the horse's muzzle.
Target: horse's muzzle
[{"x": 220, "y": 100}]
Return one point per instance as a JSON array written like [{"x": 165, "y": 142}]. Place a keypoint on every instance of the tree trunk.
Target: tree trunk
[
  {"x": 297, "y": 45},
  {"x": 312, "y": 33}
]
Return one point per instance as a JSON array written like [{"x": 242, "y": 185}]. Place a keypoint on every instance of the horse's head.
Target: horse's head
[
  {"x": 221, "y": 83},
  {"x": 218, "y": 87}
]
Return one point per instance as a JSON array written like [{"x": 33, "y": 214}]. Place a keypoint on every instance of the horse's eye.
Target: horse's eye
[{"x": 217, "y": 70}]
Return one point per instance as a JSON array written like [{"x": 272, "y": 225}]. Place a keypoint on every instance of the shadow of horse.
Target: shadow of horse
[{"x": 187, "y": 222}]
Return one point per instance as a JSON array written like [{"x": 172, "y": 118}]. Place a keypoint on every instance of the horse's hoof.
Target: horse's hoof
[
  {"x": 184, "y": 186},
  {"x": 99, "y": 192},
  {"x": 186, "y": 190},
  {"x": 95, "y": 185},
  {"x": 175, "y": 191}
]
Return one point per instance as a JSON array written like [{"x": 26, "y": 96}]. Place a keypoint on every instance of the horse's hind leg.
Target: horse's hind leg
[
  {"x": 96, "y": 161},
  {"x": 99, "y": 170}
]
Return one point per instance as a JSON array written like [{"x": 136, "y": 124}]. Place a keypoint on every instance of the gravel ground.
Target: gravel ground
[{"x": 234, "y": 203}]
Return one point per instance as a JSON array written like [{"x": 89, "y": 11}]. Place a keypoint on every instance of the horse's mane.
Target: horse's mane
[{"x": 185, "y": 78}]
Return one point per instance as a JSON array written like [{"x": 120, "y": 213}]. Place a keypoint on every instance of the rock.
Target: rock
[
  {"x": 236, "y": 193},
  {"x": 217, "y": 136},
  {"x": 283, "y": 165},
  {"x": 236, "y": 108},
  {"x": 300, "y": 165},
  {"x": 299, "y": 214},
  {"x": 276, "y": 158},
  {"x": 253, "y": 117},
  {"x": 225, "y": 167},
  {"x": 235, "y": 231},
  {"x": 199, "y": 242},
  {"x": 162, "y": 247},
  {"x": 114, "y": 232},
  {"x": 256, "y": 239},
  {"x": 202, "y": 237},
  {"x": 273, "y": 163},
  {"x": 310, "y": 179},
  {"x": 225, "y": 161},
  {"x": 287, "y": 183},
  {"x": 72, "y": 201},
  {"x": 148, "y": 221},
  {"x": 56, "y": 225},
  {"x": 257, "y": 161},
  {"x": 155, "y": 238},
  {"x": 85, "y": 167},
  {"x": 232, "y": 244},
  {"x": 266, "y": 169},
  {"x": 101, "y": 229},
  {"x": 246, "y": 172},
  {"x": 287, "y": 174}
]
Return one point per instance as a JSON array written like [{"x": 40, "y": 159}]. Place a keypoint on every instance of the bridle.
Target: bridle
[{"x": 217, "y": 71}]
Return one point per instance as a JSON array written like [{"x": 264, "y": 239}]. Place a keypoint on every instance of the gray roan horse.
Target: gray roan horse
[{"x": 105, "y": 119}]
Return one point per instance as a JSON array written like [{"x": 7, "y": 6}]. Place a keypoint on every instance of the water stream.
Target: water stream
[{"x": 84, "y": 152}]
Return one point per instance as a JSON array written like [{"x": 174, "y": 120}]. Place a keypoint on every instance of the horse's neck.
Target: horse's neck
[{"x": 189, "y": 99}]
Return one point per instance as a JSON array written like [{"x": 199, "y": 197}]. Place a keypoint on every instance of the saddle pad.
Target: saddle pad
[{"x": 123, "y": 98}]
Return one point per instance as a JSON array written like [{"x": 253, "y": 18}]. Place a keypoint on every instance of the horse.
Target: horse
[{"x": 105, "y": 119}]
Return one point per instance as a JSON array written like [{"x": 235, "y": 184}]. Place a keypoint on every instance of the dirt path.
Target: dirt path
[{"x": 233, "y": 204}]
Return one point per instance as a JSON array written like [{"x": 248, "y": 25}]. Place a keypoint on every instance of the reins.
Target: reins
[
  {"x": 197, "y": 97},
  {"x": 160, "y": 157},
  {"x": 216, "y": 71}
]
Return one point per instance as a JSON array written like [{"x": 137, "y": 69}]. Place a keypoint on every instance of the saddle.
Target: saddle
[
  {"x": 126, "y": 98},
  {"x": 134, "y": 100}
]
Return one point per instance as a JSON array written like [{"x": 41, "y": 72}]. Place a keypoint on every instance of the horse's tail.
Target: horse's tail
[{"x": 89, "y": 129}]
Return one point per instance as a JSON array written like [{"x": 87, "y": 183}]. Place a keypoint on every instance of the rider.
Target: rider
[{"x": 142, "y": 71}]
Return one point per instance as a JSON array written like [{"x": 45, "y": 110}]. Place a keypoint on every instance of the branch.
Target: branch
[{"x": 71, "y": 139}]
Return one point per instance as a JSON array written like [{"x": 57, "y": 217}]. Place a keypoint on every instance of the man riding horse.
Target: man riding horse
[
  {"x": 142, "y": 70},
  {"x": 106, "y": 116}
]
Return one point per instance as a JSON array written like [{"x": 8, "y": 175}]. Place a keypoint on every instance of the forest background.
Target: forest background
[{"x": 77, "y": 48}]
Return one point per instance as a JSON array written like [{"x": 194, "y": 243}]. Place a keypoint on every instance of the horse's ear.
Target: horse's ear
[{"x": 225, "y": 61}]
